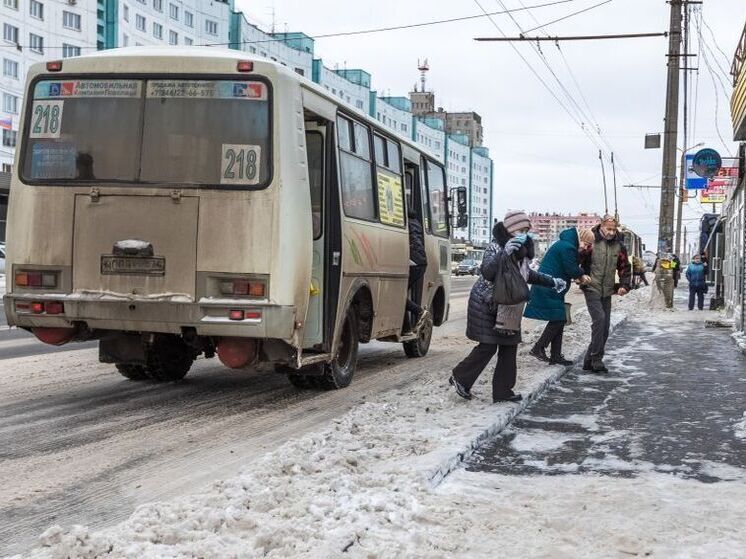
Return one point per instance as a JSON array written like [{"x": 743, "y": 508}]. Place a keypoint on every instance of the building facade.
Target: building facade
[
  {"x": 480, "y": 197},
  {"x": 734, "y": 208},
  {"x": 458, "y": 173},
  {"x": 547, "y": 226}
]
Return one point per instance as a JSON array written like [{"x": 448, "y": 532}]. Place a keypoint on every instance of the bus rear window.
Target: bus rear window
[
  {"x": 83, "y": 130},
  {"x": 186, "y": 132}
]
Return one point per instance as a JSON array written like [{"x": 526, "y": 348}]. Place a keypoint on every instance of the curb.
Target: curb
[{"x": 503, "y": 420}]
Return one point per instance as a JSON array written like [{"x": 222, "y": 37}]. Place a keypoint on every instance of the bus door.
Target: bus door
[
  {"x": 414, "y": 204},
  {"x": 437, "y": 238},
  {"x": 313, "y": 331}
]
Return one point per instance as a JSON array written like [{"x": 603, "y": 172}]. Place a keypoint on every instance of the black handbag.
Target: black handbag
[{"x": 509, "y": 286}]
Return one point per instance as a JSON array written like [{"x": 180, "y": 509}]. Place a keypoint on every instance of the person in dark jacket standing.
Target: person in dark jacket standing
[
  {"x": 562, "y": 261},
  {"x": 417, "y": 268},
  {"x": 695, "y": 275},
  {"x": 509, "y": 237},
  {"x": 676, "y": 267},
  {"x": 607, "y": 259}
]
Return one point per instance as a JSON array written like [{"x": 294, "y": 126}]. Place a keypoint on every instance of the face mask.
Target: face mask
[{"x": 521, "y": 238}]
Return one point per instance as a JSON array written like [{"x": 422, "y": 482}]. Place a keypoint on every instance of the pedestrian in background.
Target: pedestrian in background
[
  {"x": 676, "y": 267},
  {"x": 638, "y": 269},
  {"x": 695, "y": 275},
  {"x": 607, "y": 259},
  {"x": 509, "y": 239},
  {"x": 562, "y": 261}
]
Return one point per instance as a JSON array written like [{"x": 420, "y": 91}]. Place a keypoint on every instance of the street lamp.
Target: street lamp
[{"x": 682, "y": 190}]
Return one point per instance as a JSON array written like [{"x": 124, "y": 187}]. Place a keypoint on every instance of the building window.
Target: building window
[
  {"x": 10, "y": 103},
  {"x": 158, "y": 5},
  {"x": 141, "y": 1},
  {"x": 173, "y": 11},
  {"x": 12, "y": 4},
  {"x": 70, "y": 50},
  {"x": 173, "y": 38},
  {"x": 188, "y": 19},
  {"x": 157, "y": 31},
  {"x": 140, "y": 22},
  {"x": 10, "y": 33},
  {"x": 36, "y": 9},
  {"x": 125, "y": 41},
  {"x": 10, "y": 68},
  {"x": 211, "y": 28},
  {"x": 125, "y": 12},
  {"x": 188, "y": 41},
  {"x": 71, "y": 20},
  {"x": 36, "y": 43},
  {"x": 9, "y": 138}
]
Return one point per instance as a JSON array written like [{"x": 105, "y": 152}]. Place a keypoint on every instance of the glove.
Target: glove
[
  {"x": 513, "y": 245},
  {"x": 559, "y": 285}
]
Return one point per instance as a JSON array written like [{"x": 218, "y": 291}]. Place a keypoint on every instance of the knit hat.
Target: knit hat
[
  {"x": 586, "y": 235},
  {"x": 515, "y": 221},
  {"x": 609, "y": 218}
]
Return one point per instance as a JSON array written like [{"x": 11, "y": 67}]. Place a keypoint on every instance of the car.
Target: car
[
  {"x": 2, "y": 258},
  {"x": 467, "y": 267}
]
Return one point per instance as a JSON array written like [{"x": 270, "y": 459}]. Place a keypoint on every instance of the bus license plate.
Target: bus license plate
[{"x": 135, "y": 265}]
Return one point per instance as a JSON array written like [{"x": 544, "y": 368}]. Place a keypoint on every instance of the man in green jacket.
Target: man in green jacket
[{"x": 607, "y": 259}]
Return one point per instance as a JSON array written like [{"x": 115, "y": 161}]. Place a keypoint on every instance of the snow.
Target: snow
[
  {"x": 373, "y": 484},
  {"x": 740, "y": 339},
  {"x": 2, "y": 284},
  {"x": 740, "y": 428},
  {"x": 541, "y": 441}
]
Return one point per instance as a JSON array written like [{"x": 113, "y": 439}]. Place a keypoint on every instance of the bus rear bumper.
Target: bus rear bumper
[{"x": 207, "y": 317}]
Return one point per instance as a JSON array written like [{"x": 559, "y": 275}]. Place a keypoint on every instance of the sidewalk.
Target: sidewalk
[{"x": 674, "y": 401}]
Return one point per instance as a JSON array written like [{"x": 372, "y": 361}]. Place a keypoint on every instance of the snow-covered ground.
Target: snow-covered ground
[
  {"x": 2, "y": 284},
  {"x": 373, "y": 484}
]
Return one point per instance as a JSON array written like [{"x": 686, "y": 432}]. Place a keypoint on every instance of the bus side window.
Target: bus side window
[
  {"x": 315, "y": 156},
  {"x": 355, "y": 172},
  {"x": 436, "y": 200}
]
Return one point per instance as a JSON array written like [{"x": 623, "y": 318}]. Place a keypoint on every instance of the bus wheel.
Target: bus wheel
[
  {"x": 339, "y": 372},
  {"x": 420, "y": 346},
  {"x": 169, "y": 359},
  {"x": 132, "y": 372}
]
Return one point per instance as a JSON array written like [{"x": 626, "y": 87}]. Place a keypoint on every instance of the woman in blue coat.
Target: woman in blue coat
[{"x": 561, "y": 261}]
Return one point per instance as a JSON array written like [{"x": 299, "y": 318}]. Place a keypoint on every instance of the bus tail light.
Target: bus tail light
[
  {"x": 237, "y": 314},
  {"x": 37, "y": 308},
  {"x": 36, "y": 279},
  {"x": 55, "y": 307},
  {"x": 243, "y": 288},
  {"x": 245, "y": 66},
  {"x": 54, "y": 66}
]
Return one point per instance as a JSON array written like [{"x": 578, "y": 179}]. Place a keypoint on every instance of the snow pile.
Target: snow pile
[
  {"x": 2, "y": 284},
  {"x": 364, "y": 485}
]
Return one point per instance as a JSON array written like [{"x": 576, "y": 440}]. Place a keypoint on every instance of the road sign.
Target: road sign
[
  {"x": 717, "y": 187},
  {"x": 693, "y": 181},
  {"x": 707, "y": 162}
]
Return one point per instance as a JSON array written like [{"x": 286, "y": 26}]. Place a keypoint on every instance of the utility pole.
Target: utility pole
[
  {"x": 682, "y": 180},
  {"x": 664, "y": 282}
]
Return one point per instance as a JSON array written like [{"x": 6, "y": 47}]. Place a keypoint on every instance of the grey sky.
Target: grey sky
[{"x": 543, "y": 161}]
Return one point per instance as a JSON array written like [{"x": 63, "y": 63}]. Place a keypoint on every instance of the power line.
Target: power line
[
  {"x": 574, "y": 37},
  {"x": 359, "y": 31},
  {"x": 569, "y": 15}
]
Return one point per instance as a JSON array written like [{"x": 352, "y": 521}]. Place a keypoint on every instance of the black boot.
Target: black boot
[
  {"x": 560, "y": 360},
  {"x": 539, "y": 353},
  {"x": 460, "y": 388},
  {"x": 597, "y": 366},
  {"x": 512, "y": 397}
]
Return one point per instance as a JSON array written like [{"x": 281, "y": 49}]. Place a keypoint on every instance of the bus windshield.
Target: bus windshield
[{"x": 190, "y": 132}]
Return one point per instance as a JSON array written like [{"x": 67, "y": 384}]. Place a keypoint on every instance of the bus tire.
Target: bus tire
[
  {"x": 169, "y": 359},
  {"x": 420, "y": 346},
  {"x": 132, "y": 372},
  {"x": 339, "y": 373}
]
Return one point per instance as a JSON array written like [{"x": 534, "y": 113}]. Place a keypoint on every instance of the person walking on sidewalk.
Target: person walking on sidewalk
[
  {"x": 607, "y": 259},
  {"x": 562, "y": 261},
  {"x": 509, "y": 238},
  {"x": 695, "y": 275},
  {"x": 676, "y": 267}
]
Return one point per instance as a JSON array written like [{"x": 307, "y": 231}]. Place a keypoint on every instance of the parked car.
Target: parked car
[
  {"x": 467, "y": 267},
  {"x": 2, "y": 258}
]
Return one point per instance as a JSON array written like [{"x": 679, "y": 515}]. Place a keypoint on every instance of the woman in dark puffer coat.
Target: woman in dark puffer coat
[{"x": 508, "y": 236}]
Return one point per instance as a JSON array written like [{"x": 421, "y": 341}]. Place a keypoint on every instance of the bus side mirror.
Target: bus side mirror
[
  {"x": 461, "y": 201},
  {"x": 462, "y": 221}
]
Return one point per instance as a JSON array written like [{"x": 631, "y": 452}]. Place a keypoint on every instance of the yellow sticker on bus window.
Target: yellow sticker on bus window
[
  {"x": 46, "y": 119},
  {"x": 390, "y": 200},
  {"x": 240, "y": 164}
]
